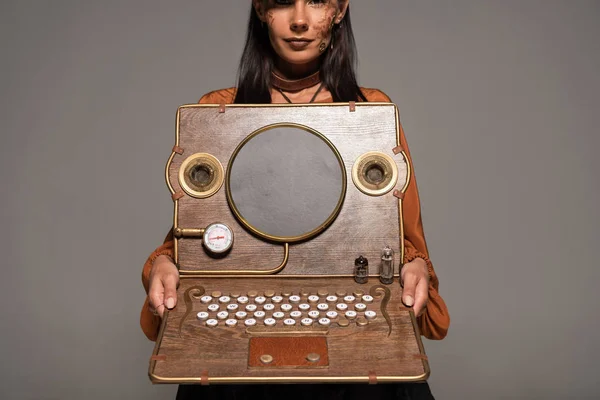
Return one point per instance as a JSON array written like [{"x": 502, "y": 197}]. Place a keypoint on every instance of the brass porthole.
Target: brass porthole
[
  {"x": 201, "y": 175},
  {"x": 374, "y": 173}
]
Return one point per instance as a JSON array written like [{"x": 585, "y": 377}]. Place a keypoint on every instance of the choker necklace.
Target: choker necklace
[{"x": 295, "y": 85}]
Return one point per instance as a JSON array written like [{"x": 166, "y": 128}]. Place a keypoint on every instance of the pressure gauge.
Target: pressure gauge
[{"x": 218, "y": 238}]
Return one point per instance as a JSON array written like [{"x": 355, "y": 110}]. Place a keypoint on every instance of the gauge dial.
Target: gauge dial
[{"x": 218, "y": 238}]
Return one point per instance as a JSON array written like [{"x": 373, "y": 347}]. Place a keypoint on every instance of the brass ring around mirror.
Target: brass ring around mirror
[
  {"x": 201, "y": 175},
  {"x": 374, "y": 173},
  {"x": 286, "y": 182}
]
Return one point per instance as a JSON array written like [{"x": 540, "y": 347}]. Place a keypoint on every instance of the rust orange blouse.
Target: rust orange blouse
[{"x": 433, "y": 322}]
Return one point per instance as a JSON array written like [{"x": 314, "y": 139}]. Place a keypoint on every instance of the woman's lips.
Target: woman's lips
[{"x": 298, "y": 44}]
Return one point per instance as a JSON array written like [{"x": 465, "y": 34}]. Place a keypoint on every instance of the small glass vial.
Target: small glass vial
[
  {"x": 386, "y": 271},
  {"x": 361, "y": 270}
]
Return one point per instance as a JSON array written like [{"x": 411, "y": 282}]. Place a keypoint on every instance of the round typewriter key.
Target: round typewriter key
[
  {"x": 343, "y": 322},
  {"x": 286, "y": 307},
  {"x": 212, "y": 322},
  {"x": 350, "y": 314},
  {"x": 286, "y": 292},
  {"x": 360, "y": 307},
  {"x": 224, "y": 299},
  {"x": 289, "y": 322},
  {"x": 295, "y": 299},
  {"x": 332, "y": 314},
  {"x": 322, "y": 292},
  {"x": 323, "y": 306},
  {"x": 331, "y": 299},
  {"x": 313, "y": 298},
  {"x": 213, "y": 307},
  {"x": 370, "y": 314},
  {"x": 277, "y": 299},
  {"x": 252, "y": 293},
  {"x": 278, "y": 315},
  {"x": 325, "y": 321},
  {"x": 241, "y": 314},
  {"x": 359, "y": 292},
  {"x": 235, "y": 295},
  {"x": 304, "y": 292},
  {"x": 295, "y": 314},
  {"x": 367, "y": 299},
  {"x": 216, "y": 294},
  {"x": 242, "y": 299},
  {"x": 269, "y": 293},
  {"x": 223, "y": 315},
  {"x": 269, "y": 307},
  {"x": 306, "y": 322},
  {"x": 231, "y": 322},
  {"x": 202, "y": 315},
  {"x": 304, "y": 307},
  {"x": 341, "y": 306},
  {"x": 340, "y": 293},
  {"x": 232, "y": 307},
  {"x": 206, "y": 299},
  {"x": 250, "y": 322},
  {"x": 361, "y": 321},
  {"x": 251, "y": 307},
  {"x": 313, "y": 314},
  {"x": 259, "y": 314},
  {"x": 260, "y": 300},
  {"x": 349, "y": 299},
  {"x": 270, "y": 322}
]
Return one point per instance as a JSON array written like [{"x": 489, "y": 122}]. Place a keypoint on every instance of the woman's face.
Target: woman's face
[{"x": 300, "y": 30}]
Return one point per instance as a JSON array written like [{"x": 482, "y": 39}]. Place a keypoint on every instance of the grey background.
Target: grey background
[{"x": 499, "y": 100}]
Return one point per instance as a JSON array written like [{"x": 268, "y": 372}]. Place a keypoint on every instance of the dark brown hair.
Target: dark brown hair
[{"x": 337, "y": 64}]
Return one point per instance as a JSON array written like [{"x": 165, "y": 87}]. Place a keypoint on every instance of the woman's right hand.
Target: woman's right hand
[{"x": 164, "y": 280}]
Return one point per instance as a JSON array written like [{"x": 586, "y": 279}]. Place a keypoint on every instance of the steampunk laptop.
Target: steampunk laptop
[{"x": 289, "y": 239}]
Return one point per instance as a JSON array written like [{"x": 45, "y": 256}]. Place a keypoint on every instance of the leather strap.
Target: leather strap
[
  {"x": 177, "y": 195},
  {"x": 178, "y": 150},
  {"x": 399, "y": 194},
  {"x": 372, "y": 378},
  {"x": 295, "y": 85}
]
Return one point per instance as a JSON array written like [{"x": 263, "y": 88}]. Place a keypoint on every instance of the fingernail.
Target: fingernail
[
  {"x": 409, "y": 301},
  {"x": 170, "y": 303}
]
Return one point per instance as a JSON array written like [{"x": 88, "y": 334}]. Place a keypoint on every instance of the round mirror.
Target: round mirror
[{"x": 286, "y": 182}]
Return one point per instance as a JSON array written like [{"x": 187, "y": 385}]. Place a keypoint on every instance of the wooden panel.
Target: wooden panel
[
  {"x": 365, "y": 224},
  {"x": 388, "y": 347}
]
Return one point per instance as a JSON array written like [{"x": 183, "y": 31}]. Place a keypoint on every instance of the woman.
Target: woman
[{"x": 301, "y": 51}]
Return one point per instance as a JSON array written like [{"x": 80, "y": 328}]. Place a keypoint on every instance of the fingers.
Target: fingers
[
  {"x": 421, "y": 297},
  {"x": 162, "y": 293},
  {"x": 415, "y": 283},
  {"x": 410, "y": 281},
  {"x": 170, "y": 291}
]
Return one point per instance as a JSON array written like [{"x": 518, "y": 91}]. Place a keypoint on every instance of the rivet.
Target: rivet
[{"x": 266, "y": 359}]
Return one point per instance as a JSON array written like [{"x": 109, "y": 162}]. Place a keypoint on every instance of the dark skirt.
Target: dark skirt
[{"x": 407, "y": 391}]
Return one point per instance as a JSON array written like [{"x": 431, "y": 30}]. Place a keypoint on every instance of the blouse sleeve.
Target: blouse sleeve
[{"x": 435, "y": 320}]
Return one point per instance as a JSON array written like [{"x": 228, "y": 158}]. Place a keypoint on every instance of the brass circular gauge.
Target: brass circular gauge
[
  {"x": 374, "y": 173},
  {"x": 286, "y": 182},
  {"x": 218, "y": 239},
  {"x": 201, "y": 175}
]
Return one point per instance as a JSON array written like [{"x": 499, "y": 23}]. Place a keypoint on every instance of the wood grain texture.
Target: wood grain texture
[
  {"x": 353, "y": 352},
  {"x": 365, "y": 224}
]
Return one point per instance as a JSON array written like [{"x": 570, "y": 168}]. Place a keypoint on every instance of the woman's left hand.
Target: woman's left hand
[{"x": 414, "y": 278}]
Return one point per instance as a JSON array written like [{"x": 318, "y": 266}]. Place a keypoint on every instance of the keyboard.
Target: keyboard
[{"x": 327, "y": 307}]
